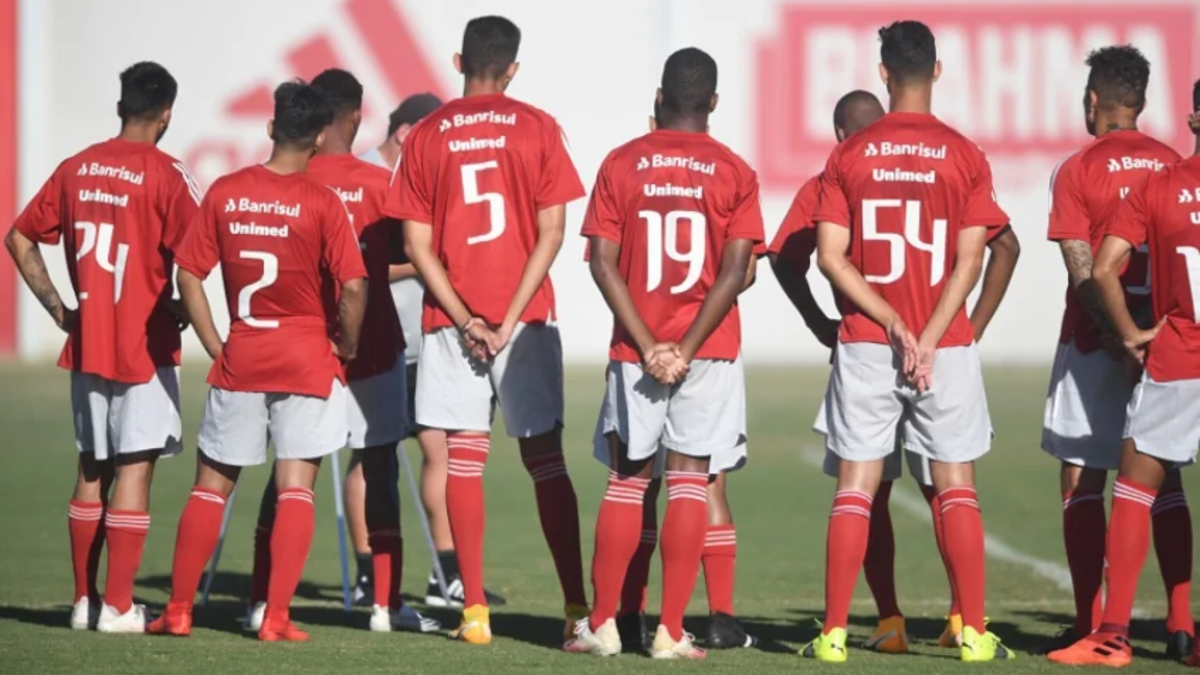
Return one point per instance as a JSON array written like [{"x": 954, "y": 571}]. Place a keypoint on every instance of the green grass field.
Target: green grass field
[{"x": 780, "y": 502}]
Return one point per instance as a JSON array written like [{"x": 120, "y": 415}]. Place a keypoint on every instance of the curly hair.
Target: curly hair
[{"x": 1119, "y": 76}]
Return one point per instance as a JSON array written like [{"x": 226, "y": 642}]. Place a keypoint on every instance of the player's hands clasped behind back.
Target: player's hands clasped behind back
[{"x": 665, "y": 363}]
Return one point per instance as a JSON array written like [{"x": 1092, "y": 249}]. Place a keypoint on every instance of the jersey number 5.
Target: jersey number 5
[
  {"x": 911, "y": 237},
  {"x": 495, "y": 201},
  {"x": 270, "y": 274},
  {"x": 100, "y": 238},
  {"x": 662, "y": 238}
]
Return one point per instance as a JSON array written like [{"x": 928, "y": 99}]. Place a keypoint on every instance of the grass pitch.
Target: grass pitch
[{"x": 780, "y": 503}]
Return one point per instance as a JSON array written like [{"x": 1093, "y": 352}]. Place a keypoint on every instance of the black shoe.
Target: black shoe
[
  {"x": 454, "y": 587},
  {"x": 1061, "y": 640},
  {"x": 1179, "y": 646},
  {"x": 724, "y": 632},
  {"x": 634, "y": 634},
  {"x": 364, "y": 592}
]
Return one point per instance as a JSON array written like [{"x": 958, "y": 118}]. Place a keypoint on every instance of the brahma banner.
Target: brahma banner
[{"x": 1013, "y": 80}]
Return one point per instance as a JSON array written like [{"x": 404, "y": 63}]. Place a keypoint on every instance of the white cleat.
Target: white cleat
[
  {"x": 604, "y": 641},
  {"x": 84, "y": 615},
  {"x": 404, "y": 619},
  {"x": 254, "y": 616},
  {"x": 665, "y": 647},
  {"x": 133, "y": 621}
]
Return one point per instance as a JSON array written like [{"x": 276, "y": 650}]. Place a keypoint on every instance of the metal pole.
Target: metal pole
[
  {"x": 340, "y": 509},
  {"x": 438, "y": 573}
]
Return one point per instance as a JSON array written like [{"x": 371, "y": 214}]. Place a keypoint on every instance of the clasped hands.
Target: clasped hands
[{"x": 483, "y": 341}]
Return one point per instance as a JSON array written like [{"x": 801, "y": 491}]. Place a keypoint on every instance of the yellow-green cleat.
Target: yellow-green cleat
[
  {"x": 978, "y": 648},
  {"x": 828, "y": 647}
]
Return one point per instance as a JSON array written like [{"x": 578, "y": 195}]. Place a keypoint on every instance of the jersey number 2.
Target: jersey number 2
[
  {"x": 270, "y": 274},
  {"x": 911, "y": 237},
  {"x": 100, "y": 238},
  {"x": 495, "y": 201}
]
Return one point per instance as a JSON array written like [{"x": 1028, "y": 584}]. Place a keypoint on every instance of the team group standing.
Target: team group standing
[{"x": 461, "y": 212}]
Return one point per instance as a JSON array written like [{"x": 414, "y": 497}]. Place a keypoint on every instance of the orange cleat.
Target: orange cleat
[
  {"x": 1097, "y": 649},
  {"x": 176, "y": 620},
  {"x": 276, "y": 630}
]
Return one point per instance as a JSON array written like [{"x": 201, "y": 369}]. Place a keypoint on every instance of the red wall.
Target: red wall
[{"x": 8, "y": 171}]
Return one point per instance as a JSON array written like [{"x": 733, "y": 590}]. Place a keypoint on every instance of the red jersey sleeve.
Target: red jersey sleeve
[
  {"x": 559, "y": 182},
  {"x": 796, "y": 238},
  {"x": 409, "y": 193},
  {"x": 832, "y": 206},
  {"x": 1131, "y": 221},
  {"x": 746, "y": 221},
  {"x": 197, "y": 251},
  {"x": 1068, "y": 213},
  {"x": 982, "y": 209},
  {"x": 182, "y": 205},
  {"x": 603, "y": 217},
  {"x": 41, "y": 221},
  {"x": 340, "y": 252}
]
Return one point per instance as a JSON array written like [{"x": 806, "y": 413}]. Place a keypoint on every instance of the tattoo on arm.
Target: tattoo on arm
[
  {"x": 33, "y": 268},
  {"x": 1078, "y": 257}
]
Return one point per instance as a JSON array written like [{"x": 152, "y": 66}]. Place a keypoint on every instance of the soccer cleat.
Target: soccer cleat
[
  {"x": 1179, "y": 646},
  {"x": 724, "y": 632},
  {"x": 281, "y": 631},
  {"x": 1061, "y": 640},
  {"x": 454, "y": 588},
  {"x": 111, "y": 621},
  {"x": 254, "y": 616},
  {"x": 978, "y": 648},
  {"x": 573, "y": 614},
  {"x": 1194, "y": 659},
  {"x": 476, "y": 626},
  {"x": 604, "y": 641},
  {"x": 404, "y": 619},
  {"x": 828, "y": 647},
  {"x": 665, "y": 647},
  {"x": 1097, "y": 649},
  {"x": 85, "y": 614},
  {"x": 889, "y": 637},
  {"x": 175, "y": 620},
  {"x": 951, "y": 637}
]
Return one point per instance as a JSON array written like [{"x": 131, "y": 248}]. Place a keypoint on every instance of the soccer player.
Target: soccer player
[
  {"x": 120, "y": 208},
  {"x": 1162, "y": 426},
  {"x": 902, "y": 222},
  {"x": 375, "y": 378},
  {"x": 672, "y": 224},
  {"x": 293, "y": 274},
  {"x": 1091, "y": 382},
  {"x": 482, "y": 186},
  {"x": 790, "y": 253}
]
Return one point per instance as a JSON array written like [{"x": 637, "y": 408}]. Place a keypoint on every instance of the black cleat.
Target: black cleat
[
  {"x": 454, "y": 586},
  {"x": 364, "y": 592},
  {"x": 1061, "y": 640},
  {"x": 634, "y": 634},
  {"x": 724, "y": 632},
  {"x": 1179, "y": 646}
]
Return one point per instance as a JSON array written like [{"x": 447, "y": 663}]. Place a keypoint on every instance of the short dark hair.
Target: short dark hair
[
  {"x": 850, "y": 106},
  {"x": 1119, "y": 76},
  {"x": 489, "y": 46},
  {"x": 1196, "y": 96},
  {"x": 343, "y": 91},
  {"x": 412, "y": 110},
  {"x": 907, "y": 51},
  {"x": 301, "y": 113},
  {"x": 689, "y": 81},
  {"x": 147, "y": 89}
]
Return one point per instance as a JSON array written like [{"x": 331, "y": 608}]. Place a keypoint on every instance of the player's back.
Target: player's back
[
  {"x": 906, "y": 186},
  {"x": 672, "y": 200}
]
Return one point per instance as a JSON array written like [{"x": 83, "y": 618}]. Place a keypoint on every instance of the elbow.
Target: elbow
[
  {"x": 1007, "y": 245},
  {"x": 1103, "y": 270},
  {"x": 12, "y": 242},
  {"x": 355, "y": 289},
  {"x": 828, "y": 263}
]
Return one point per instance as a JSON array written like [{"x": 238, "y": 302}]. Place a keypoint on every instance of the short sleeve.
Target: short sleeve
[
  {"x": 1068, "y": 212},
  {"x": 746, "y": 221},
  {"x": 559, "y": 181},
  {"x": 832, "y": 204},
  {"x": 41, "y": 221},
  {"x": 604, "y": 217},
  {"x": 197, "y": 251},
  {"x": 982, "y": 208},
  {"x": 410, "y": 194},
  {"x": 1131, "y": 221},
  {"x": 798, "y": 217},
  {"x": 182, "y": 203},
  {"x": 340, "y": 252}
]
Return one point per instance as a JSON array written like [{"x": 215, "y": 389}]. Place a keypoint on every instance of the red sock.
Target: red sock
[
  {"x": 637, "y": 577},
  {"x": 617, "y": 527},
  {"x": 1125, "y": 551},
  {"x": 291, "y": 539},
  {"x": 962, "y": 526},
  {"x": 126, "y": 532},
  {"x": 558, "y": 510},
  {"x": 879, "y": 566},
  {"x": 260, "y": 577},
  {"x": 683, "y": 532},
  {"x": 199, "y": 530},
  {"x": 387, "y": 562},
  {"x": 1173, "y": 543},
  {"x": 464, "y": 506},
  {"x": 939, "y": 536},
  {"x": 720, "y": 563},
  {"x": 85, "y": 521},
  {"x": 845, "y": 549},
  {"x": 1083, "y": 533}
]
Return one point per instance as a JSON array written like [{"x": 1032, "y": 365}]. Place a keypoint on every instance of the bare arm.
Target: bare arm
[
  {"x": 401, "y": 272},
  {"x": 603, "y": 265},
  {"x": 967, "y": 267},
  {"x": 551, "y": 224},
  {"x": 832, "y": 242},
  {"x": 1077, "y": 255},
  {"x": 418, "y": 245},
  {"x": 352, "y": 306},
  {"x": 796, "y": 287},
  {"x": 28, "y": 259},
  {"x": 720, "y": 298},
  {"x": 1005, "y": 249},
  {"x": 751, "y": 273},
  {"x": 195, "y": 303}
]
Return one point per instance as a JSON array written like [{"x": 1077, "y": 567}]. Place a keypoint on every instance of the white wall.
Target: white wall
[{"x": 1013, "y": 80}]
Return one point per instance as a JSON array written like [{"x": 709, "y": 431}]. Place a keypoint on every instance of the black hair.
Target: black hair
[
  {"x": 1119, "y": 76},
  {"x": 412, "y": 110},
  {"x": 850, "y": 110},
  {"x": 489, "y": 46},
  {"x": 147, "y": 89},
  {"x": 907, "y": 51},
  {"x": 689, "y": 82},
  {"x": 1196, "y": 96},
  {"x": 301, "y": 114},
  {"x": 343, "y": 91}
]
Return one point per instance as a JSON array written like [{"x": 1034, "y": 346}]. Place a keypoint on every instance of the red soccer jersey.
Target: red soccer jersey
[
  {"x": 120, "y": 209},
  {"x": 363, "y": 188},
  {"x": 1085, "y": 191},
  {"x": 1164, "y": 215},
  {"x": 672, "y": 200},
  {"x": 478, "y": 170},
  {"x": 906, "y": 186},
  {"x": 284, "y": 243},
  {"x": 796, "y": 238}
]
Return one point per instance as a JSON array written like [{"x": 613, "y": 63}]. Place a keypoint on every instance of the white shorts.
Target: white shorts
[
  {"x": 377, "y": 409},
  {"x": 1164, "y": 419},
  {"x": 116, "y": 418},
  {"x": 1085, "y": 409},
  {"x": 893, "y": 464},
  {"x": 867, "y": 404},
  {"x": 457, "y": 392},
  {"x": 692, "y": 418},
  {"x": 238, "y": 424}
]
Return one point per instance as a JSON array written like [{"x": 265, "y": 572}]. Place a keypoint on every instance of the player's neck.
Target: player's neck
[
  {"x": 390, "y": 152},
  {"x": 477, "y": 86},
  {"x": 1196, "y": 148},
  {"x": 335, "y": 144},
  {"x": 689, "y": 125},
  {"x": 139, "y": 133},
  {"x": 286, "y": 161},
  {"x": 1107, "y": 123},
  {"x": 911, "y": 100}
]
